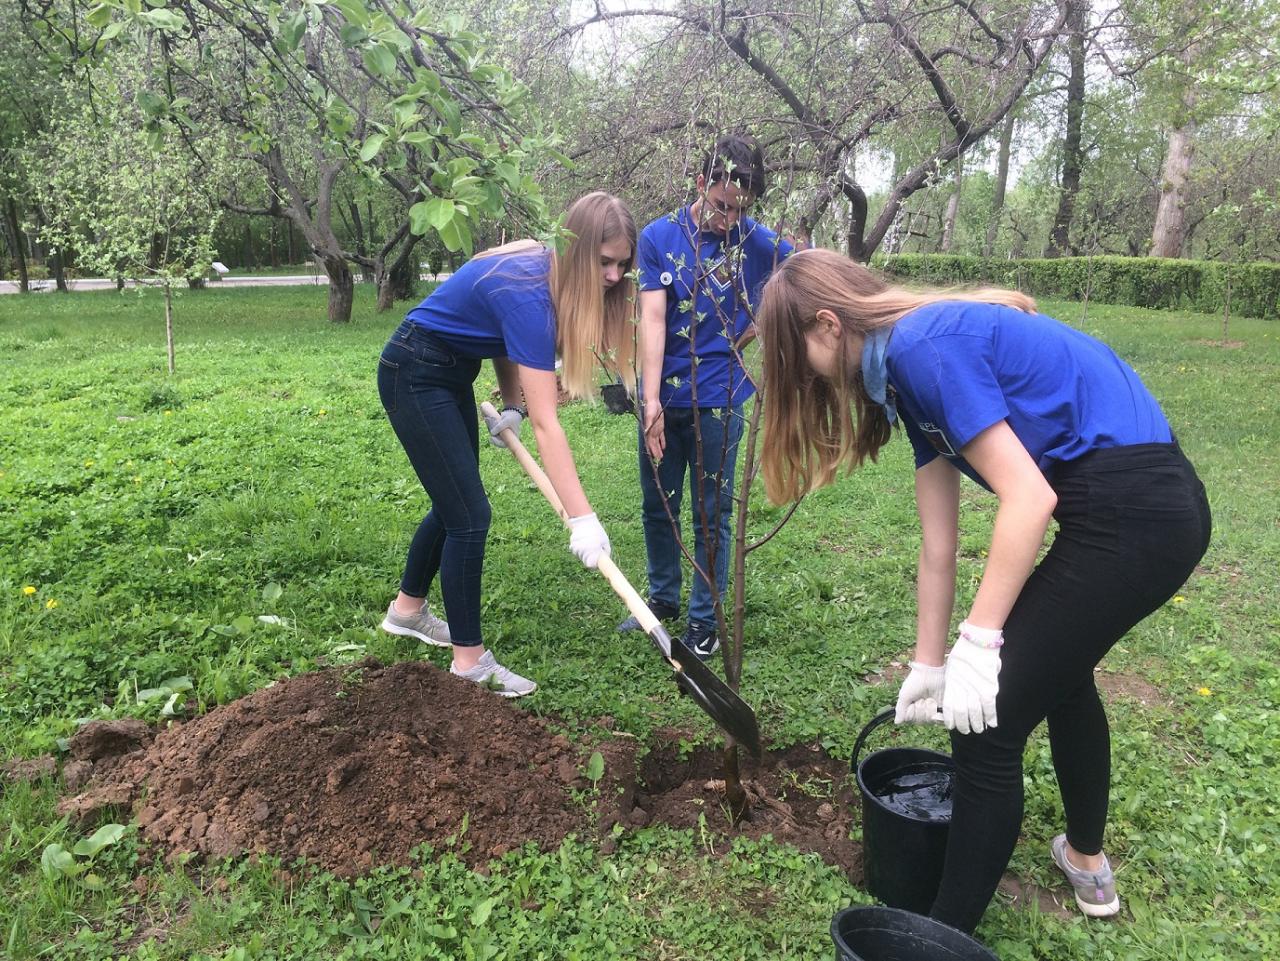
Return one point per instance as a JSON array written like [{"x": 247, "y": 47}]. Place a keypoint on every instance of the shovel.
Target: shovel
[{"x": 720, "y": 702}]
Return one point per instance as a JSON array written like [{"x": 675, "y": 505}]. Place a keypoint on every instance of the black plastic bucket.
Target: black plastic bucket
[
  {"x": 906, "y": 813},
  {"x": 891, "y": 934}
]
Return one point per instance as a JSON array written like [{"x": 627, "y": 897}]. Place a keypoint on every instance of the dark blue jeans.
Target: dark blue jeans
[
  {"x": 710, "y": 489},
  {"x": 1133, "y": 522},
  {"x": 427, "y": 394}
]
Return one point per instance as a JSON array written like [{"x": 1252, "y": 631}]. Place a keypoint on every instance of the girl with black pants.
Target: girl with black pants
[{"x": 1058, "y": 427}]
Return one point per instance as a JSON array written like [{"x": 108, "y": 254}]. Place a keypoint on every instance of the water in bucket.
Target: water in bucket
[{"x": 923, "y": 793}]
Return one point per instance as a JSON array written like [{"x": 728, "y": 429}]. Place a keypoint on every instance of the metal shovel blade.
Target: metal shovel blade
[
  {"x": 719, "y": 701},
  {"x": 713, "y": 695}
]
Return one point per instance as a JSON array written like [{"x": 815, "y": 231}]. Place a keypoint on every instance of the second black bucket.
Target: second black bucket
[
  {"x": 906, "y": 814},
  {"x": 889, "y": 934}
]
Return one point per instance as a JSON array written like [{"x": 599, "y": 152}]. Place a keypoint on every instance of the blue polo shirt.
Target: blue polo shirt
[
  {"x": 960, "y": 367},
  {"x": 710, "y": 280},
  {"x": 496, "y": 307}
]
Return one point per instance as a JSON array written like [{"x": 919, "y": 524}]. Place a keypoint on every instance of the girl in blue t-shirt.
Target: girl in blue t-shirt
[
  {"x": 520, "y": 305},
  {"x": 1058, "y": 427}
]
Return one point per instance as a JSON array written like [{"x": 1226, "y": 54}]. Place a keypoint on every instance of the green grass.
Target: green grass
[{"x": 156, "y": 517}]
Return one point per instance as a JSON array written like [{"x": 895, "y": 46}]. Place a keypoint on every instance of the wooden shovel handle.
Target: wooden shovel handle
[{"x": 617, "y": 580}]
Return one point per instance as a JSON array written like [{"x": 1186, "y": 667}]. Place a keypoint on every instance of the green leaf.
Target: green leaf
[
  {"x": 292, "y": 32},
  {"x": 481, "y": 914},
  {"x": 456, "y": 235},
  {"x": 419, "y": 223},
  {"x": 595, "y": 767},
  {"x": 379, "y": 61},
  {"x": 372, "y": 146},
  {"x": 99, "y": 16},
  {"x": 57, "y": 862},
  {"x": 165, "y": 20},
  {"x": 243, "y": 624},
  {"x": 418, "y": 138},
  {"x": 153, "y": 104},
  {"x": 449, "y": 113},
  {"x": 271, "y": 593},
  {"x": 440, "y": 212},
  {"x": 105, "y": 836},
  {"x": 352, "y": 35},
  {"x": 354, "y": 11}
]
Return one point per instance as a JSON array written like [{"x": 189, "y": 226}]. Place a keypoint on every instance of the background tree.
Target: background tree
[
  {"x": 129, "y": 205},
  {"x": 396, "y": 92}
]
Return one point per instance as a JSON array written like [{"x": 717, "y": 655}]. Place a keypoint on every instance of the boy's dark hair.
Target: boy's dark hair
[{"x": 738, "y": 159}]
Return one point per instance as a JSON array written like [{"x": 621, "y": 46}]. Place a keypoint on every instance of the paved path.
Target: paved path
[{"x": 103, "y": 283}]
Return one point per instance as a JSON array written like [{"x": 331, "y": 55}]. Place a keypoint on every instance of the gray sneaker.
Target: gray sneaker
[
  {"x": 1095, "y": 890},
  {"x": 489, "y": 673},
  {"x": 424, "y": 625}
]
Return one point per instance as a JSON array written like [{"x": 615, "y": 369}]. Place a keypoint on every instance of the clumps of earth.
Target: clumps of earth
[{"x": 355, "y": 766}]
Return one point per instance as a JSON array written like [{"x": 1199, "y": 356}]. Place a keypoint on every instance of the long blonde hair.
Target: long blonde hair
[
  {"x": 593, "y": 325},
  {"x": 815, "y": 426}
]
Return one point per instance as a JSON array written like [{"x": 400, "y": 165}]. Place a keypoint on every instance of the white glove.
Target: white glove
[
  {"x": 921, "y": 695},
  {"x": 587, "y": 539},
  {"x": 510, "y": 417},
  {"x": 969, "y": 700}
]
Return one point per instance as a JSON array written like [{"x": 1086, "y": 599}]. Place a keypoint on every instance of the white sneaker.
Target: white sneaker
[
  {"x": 424, "y": 625},
  {"x": 489, "y": 673}
]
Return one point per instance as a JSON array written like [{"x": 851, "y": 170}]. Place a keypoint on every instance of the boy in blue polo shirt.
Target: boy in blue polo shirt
[{"x": 701, "y": 269}]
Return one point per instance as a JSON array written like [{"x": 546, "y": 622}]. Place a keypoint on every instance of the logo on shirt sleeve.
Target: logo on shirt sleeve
[
  {"x": 666, "y": 278},
  {"x": 934, "y": 435}
]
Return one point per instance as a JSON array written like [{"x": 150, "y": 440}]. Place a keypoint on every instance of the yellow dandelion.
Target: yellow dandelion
[
  {"x": 322, "y": 412},
  {"x": 168, "y": 413},
  {"x": 50, "y": 604},
  {"x": 1204, "y": 692},
  {"x": 28, "y": 590},
  {"x": 1179, "y": 599}
]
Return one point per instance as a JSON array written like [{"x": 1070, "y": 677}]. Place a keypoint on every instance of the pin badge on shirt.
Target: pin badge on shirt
[{"x": 666, "y": 278}]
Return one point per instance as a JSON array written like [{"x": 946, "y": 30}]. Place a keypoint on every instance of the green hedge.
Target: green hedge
[{"x": 1156, "y": 282}]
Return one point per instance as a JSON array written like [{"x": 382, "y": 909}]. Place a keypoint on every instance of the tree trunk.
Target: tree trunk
[
  {"x": 246, "y": 255},
  {"x": 357, "y": 230},
  {"x": 273, "y": 242},
  {"x": 1169, "y": 232},
  {"x": 399, "y": 281},
  {"x": 953, "y": 209},
  {"x": 168, "y": 323},
  {"x": 1072, "y": 152},
  {"x": 1001, "y": 185},
  {"x": 342, "y": 289},
  {"x": 58, "y": 265},
  {"x": 13, "y": 234}
]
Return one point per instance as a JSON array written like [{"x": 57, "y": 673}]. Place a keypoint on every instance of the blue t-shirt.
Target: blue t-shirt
[
  {"x": 496, "y": 307},
  {"x": 708, "y": 290},
  {"x": 960, "y": 367}
]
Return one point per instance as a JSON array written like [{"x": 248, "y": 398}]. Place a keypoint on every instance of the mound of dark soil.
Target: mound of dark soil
[
  {"x": 350, "y": 767},
  {"x": 355, "y": 766}
]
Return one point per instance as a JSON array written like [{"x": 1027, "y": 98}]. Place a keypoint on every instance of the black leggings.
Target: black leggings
[{"x": 1133, "y": 523}]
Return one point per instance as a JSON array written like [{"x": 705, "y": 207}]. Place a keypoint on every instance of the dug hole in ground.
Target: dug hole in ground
[{"x": 355, "y": 766}]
